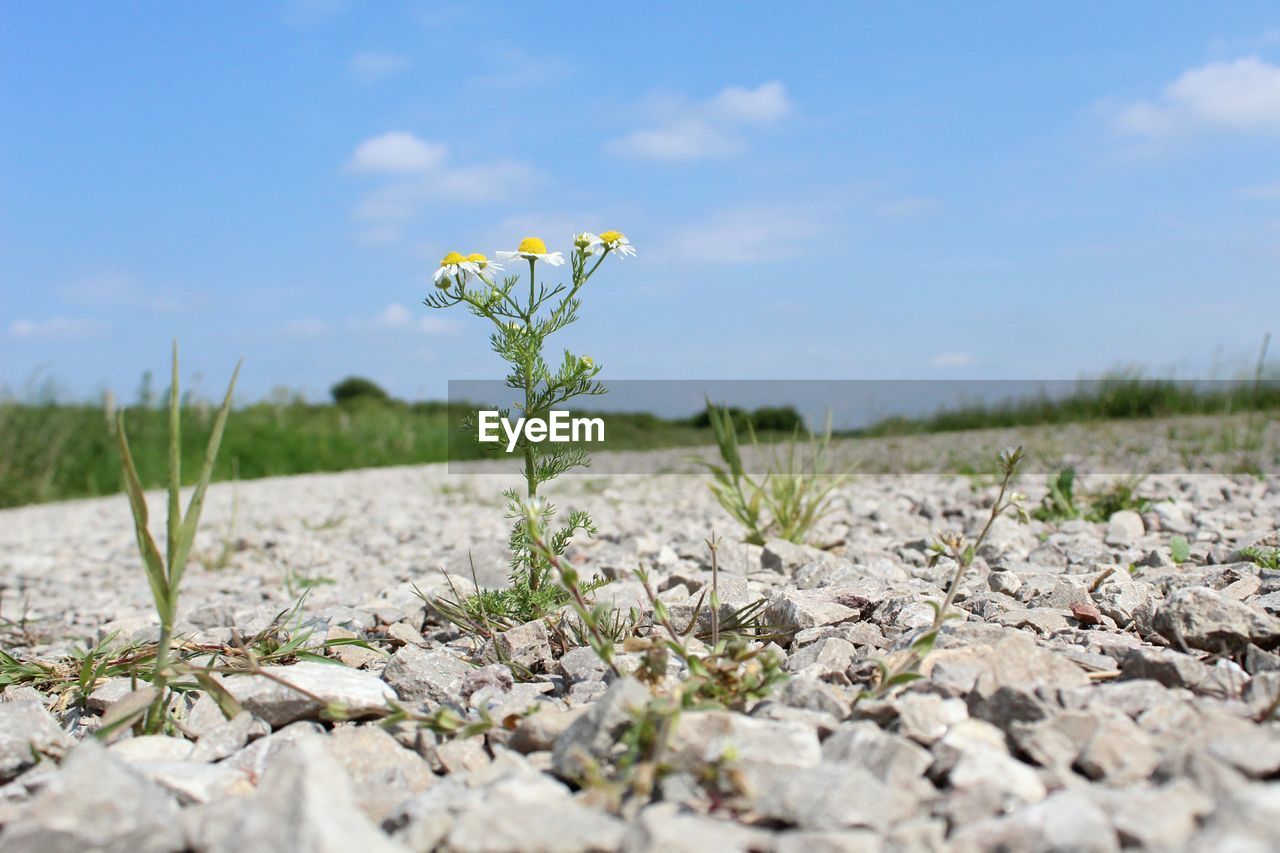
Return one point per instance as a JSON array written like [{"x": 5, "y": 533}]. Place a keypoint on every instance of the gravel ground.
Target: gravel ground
[{"x": 1094, "y": 696}]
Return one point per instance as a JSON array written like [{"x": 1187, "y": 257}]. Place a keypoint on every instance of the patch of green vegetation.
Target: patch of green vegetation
[
  {"x": 165, "y": 570},
  {"x": 903, "y": 667},
  {"x": 358, "y": 388},
  {"x": 51, "y": 451},
  {"x": 1267, "y": 558},
  {"x": 1062, "y": 503},
  {"x": 1122, "y": 395},
  {"x": 484, "y": 612},
  {"x": 793, "y": 494}
]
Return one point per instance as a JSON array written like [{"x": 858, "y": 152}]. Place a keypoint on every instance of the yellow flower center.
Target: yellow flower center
[
  {"x": 478, "y": 259},
  {"x": 611, "y": 237},
  {"x": 451, "y": 258},
  {"x": 532, "y": 246}
]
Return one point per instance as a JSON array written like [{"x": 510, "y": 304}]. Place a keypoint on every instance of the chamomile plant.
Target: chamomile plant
[{"x": 523, "y": 316}]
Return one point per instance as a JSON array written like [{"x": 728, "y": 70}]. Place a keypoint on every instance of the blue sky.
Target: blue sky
[{"x": 818, "y": 190}]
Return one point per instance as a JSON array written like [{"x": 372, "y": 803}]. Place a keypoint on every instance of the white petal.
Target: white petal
[{"x": 555, "y": 259}]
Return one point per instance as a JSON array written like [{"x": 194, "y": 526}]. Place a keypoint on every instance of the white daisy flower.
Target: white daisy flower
[
  {"x": 587, "y": 242},
  {"x": 617, "y": 241},
  {"x": 452, "y": 266},
  {"x": 485, "y": 268},
  {"x": 533, "y": 249}
]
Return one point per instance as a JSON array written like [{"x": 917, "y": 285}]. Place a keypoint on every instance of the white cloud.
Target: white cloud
[
  {"x": 952, "y": 360},
  {"x": 113, "y": 290},
  {"x": 397, "y": 153},
  {"x": 904, "y": 208},
  {"x": 56, "y": 329},
  {"x": 371, "y": 66},
  {"x": 511, "y": 69},
  {"x": 1242, "y": 95},
  {"x": 1261, "y": 191},
  {"x": 397, "y": 317},
  {"x": 685, "y": 130},
  {"x": 745, "y": 235},
  {"x": 306, "y": 328},
  {"x": 308, "y": 13},
  {"x": 484, "y": 182},
  {"x": 1224, "y": 44},
  {"x": 105, "y": 288},
  {"x": 765, "y": 104},
  {"x": 424, "y": 174},
  {"x": 689, "y": 139}
]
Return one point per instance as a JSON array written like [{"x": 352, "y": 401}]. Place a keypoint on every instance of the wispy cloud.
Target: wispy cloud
[
  {"x": 104, "y": 288},
  {"x": 908, "y": 207},
  {"x": 305, "y": 328},
  {"x": 114, "y": 290},
  {"x": 482, "y": 182},
  {"x": 745, "y": 235},
  {"x": 57, "y": 329},
  {"x": 372, "y": 66},
  {"x": 1230, "y": 44},
  {"x": 1260, "y": 191},
  {"x": 423, "y": 173},
  {"x": 309, "y": 13},
  {"x": 952, "y": 360},
  {"x": 397, "y": 153},
  {"x": 1238, "y": 96},
  {"x": 396, "y": 317},
  {"x": 682, "y": 130},
  {"x": 513, "y": 68}
]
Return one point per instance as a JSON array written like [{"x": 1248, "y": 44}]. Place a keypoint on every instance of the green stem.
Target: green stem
[
  {"x": 530, "y": 478},
  {"x": 155, "y": 714}
]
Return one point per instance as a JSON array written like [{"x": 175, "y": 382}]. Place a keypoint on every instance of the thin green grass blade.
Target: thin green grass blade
[
  {"x": 187, "y": 533},
  {"x": 151, "y": 558},
  {"x": 227, "y": 703},
  {"x": 127, "y": 710},
  {"x": 175, "y": 461}
]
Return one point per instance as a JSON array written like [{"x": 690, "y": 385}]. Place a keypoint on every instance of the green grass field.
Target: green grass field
[{"x": 53, "y": 451}]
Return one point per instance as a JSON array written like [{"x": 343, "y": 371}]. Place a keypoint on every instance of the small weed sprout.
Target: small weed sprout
[
  {"x": 734, "y": 672},
  {"x": 793, "y": 495},
  {"x": 522, "y": 322},
  {"x": 952, "y": 545},
  {"x": 164, "y": 571},
  {"x": 1266, "y": 558},
  {"x": 1062, "y": 503}
]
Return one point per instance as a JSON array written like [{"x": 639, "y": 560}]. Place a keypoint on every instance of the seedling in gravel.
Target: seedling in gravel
[
  {"x": 164, "y": 571},
  {"x": 1267, "y": 558},
  {"x": 1179, "y": 549},
  {"x": 949, "y": 545},
  {"x": 734, "y": 672},
  {"x": 1062, "y": 503},
  {"x": 792, "y": 496},
  {"x": 523, "y": 320}
]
